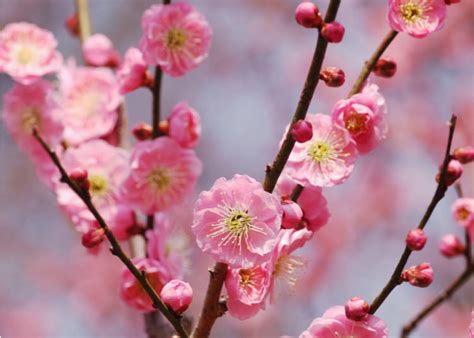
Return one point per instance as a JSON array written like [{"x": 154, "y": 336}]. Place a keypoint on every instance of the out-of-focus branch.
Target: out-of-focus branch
[
  {"x": 116, "y": 249},
  {"x": 438, "y": 196},
  {"x": 85, "y": 26}
]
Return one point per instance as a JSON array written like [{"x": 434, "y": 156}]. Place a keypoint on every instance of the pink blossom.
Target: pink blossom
[
  {"x": 133, "y": 293},
  {"x": 237, "y": 222},
  {"x": 451, "y": 246},
  {"x": 90, "y": 99},
  {"x": 464, "y": 154},
  {"x": 107, "y": 167},
  {"x": 184, "y": 125},
  {"x": 28, "y": 52},
  {"x": 177, "y": 295},
  {"x": 334, "y": 323},
  {"x": 418, "y": 18},
  {"x": 463, "y": 211},
  {"x": 327, "y": 159},
  {"x": 420, "y": 275},
  {"x": 98, "y": 50},
  {"x": 162, "y": 174},
  {"x": 32, "y": 107},
  {"x": 363, "y": 116},
  {"x": 176, "y": 37},
  {"x": 132, "y": 73}
]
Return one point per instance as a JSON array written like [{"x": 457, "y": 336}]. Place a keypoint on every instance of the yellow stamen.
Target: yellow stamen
[
  {"x": 175, "y": 39},
  {"x": 411, "y": 12}
]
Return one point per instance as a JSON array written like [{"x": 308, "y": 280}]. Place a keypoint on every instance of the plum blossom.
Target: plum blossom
[
  {"x": 98, "y": 50},
  {"x": 161, "y": 175},
  {"x": 177, "y": 295},
  {"x": 90, "y": 99},
  {"x": 463, "y": 211},
  {"x": 184, "y": 125},
  {"x": 28, "y": 52},
  {"x": 417, "y": 18},
  {"x": 132, "y": 73},
  {"x": 363, "y": 116},
  {"x": 334, "y": 323},
  {"x": 176, "y": 37},
  {"x": 133, "y": 293},
  {"x": 107, "y": 168},
  {"x": 237, "y": 222},
  {"x": 325, "y": 160}
]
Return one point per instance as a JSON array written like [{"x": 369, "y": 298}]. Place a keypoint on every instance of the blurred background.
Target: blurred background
[{"x": 246, "y": 92}]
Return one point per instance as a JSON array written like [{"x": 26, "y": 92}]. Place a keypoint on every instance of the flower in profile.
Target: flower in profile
[
  {"x": 98, "y": 51},
  {"x": 176, "y": 37},
  {"x": 90, "y": 99},
  {"x": 177, "y": 295},
  {"x": 28, "y": 52},
  {"x": 161, "y": 175},
  {"x": 418, "y": 18},
  {"x": 184, "y": 125},
  {"x": 325, "y": 160},
  {"x": 334, "y": 323},
  {"x": 363, "y": 116},
  {"x": 132, "y": 73},
  {"x": 133, "y": 293},
  {"x": 419, "y": 275},
  {"x": 237, "y": 222},
  {"x": 106, "y": 167}
]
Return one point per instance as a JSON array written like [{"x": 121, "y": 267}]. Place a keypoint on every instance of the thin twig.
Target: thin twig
[
  {"x": 116, "y": 249},
  {"x": 85, "y": 26},
  {"x": 438, "y": 196}
]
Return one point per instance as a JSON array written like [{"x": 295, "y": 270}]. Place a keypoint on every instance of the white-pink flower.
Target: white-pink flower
[
  {"x": 90, "y": 99},
  {"x": 176, "y": 37},
  {"x": 132, "y": 73},
  {"x": 237, "y": 222},
  {"x": 418, "y": 18},
  {"x": 325, "y": 160},
  {"x": 463, "y": 212},
  {"x": 334, "y": 323},
  {"x": 98, "y": 50},
  {"x": 107, "y": 168},
  {"x": 162, "y": 174},
  {"x": 363, "y": 116},
  {"x": 28, "y": 52},
  {"x": 184, "y": 125}
]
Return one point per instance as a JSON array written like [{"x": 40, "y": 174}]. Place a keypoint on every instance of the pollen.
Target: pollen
[
  {"x": 411, "y": 12},
  {"x": 175, "y": 38},
  {"x": 160, "y": 178},
  {"x": 30, "y": 119},
  {"x": 288, "y": 269},
  {"x": 320, "y": 151},
  {"x": 98, "y": 185},
  {"x": 25, "y": 55},
  {"x": 356, "y": 123}
]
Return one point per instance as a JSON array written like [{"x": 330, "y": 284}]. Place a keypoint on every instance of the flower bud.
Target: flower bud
[
  {"x": 164, "y": 127},
  {"x": 356, "y": 309},
  {"x": 416, "y": 239},
  {"x": 333, "y": 32},
  {"x": 142, "y": 131},
  {"x": 420, "y": 275},
  {"x": 184, "y": 125},
  {"x": 93, "y": 237},
  {"x": 453, "y": 172},
  {"x": 332, "y": 76},
  {"x": 79, "y": 176},
  {"x": 98, "y": 50},
  {"x": 385, "y": 68},
  {"x": 451, "y": 246},
  {"x": 302, "y": 131},
  {"x": 72, "y": 24},
  {"x": 464, "y": 154},
  {"x": 307, "y": 15},
  {"x": 177, "y": 295},
  {"x": 292, "y": 214}
]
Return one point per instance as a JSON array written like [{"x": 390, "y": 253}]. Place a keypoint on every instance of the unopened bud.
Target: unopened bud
[
  {"x": 333, "y": 32},
  {"x": 177, "y": 295},
  {"x": 307, "y": 15},
  {"x": 451, "y": 246},
  {"x": 72, "y": 24},
  {"x": 464, "y": 154},
  {"x": 93, "y": 237},
  {"x": 453, "y": 172},
  {"x": 333, "y": 77},
  {"x": 356, "y": 309},
  {"x": 385, "y": 68},
  {"x": 292, "y": 214},
  {"x": 416, "y": 239},
  {"x": 142, "y": 131},
  {"x": 420, "y": 275},
  {"x": 80, "y": 177},
  {"x": 302, "y": 131}
]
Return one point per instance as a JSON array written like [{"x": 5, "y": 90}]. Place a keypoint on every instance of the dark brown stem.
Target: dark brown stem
[
  {"x": 156, "y": 102},
  {"x": 273, "y": 172},
  {"x": 438, "y": 196},
  {"x": 295, "y": 194},
  {"x": 116, "y": 249},
  {"x": 369, "y": 65},
  {"x": 85, "y": 26}
]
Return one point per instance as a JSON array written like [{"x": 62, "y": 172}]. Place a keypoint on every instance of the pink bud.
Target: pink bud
[
  {"x": 333, "y": 77},
  {"x": 79, "y": 176},
  {"x": 464, "y": 154},
  {"x": 184, "y": 125},
  {"x": 453, "y": 172},
  {"x": 99, "y": 51},
  {"x": 450, "y": 2},
  {"x": 420, "y": 275},
  {"x": 385, "y": 68},
  {"x": 451, "y": 246},
  {"x": 302, "y": 131},
  {"x": 142, "y": 131},
  {"x": 356, "y": 309},
  {"x": 93, "y": 237},
  {"x": 416, "y": 239},
  {"x": 177, "y": 295},
  {"x": 333, "y": 32},
  {"x": 292, "y": 214},
  {"x": 72, "y": 24},
  {"x": 307, "y": 15}
]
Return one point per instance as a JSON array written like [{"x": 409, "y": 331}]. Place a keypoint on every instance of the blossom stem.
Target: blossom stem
[
  {"x": 438, "y": 196},
  {"x": 115, "y": 249},
  {"x": 85, "y": 26},
  {"x": 369, "y": 65},
  {"x": 273, "y": 172}
]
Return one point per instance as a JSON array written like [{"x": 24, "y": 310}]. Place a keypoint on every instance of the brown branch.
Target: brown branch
[
  {"x": 273, "y": 172},
  {"x": 438, "y": 196},
  {"x": 369, "y": 65},
  {"x": 85, "y": 26},
  {"x": 116, "y": 249}
]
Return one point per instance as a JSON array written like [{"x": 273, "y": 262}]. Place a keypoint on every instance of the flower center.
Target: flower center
[
  {"x": 238, "y": 222},
  {"x": 356, "y": 123},
  {"x": 30, "y": 119},
  {"x": 320, "y": 151},
  {"x": 288, "y": 269},
  {"x": 175, "y": 39},
  {"x": 411, "y": 12},
  {"x": 88, "y": 103},
  {"x": 25, "y": 55},
  {"x": 98, "y": 185},
  {"x": 245, "y": 278},
  {"x": 463, "y": 213},
  {"x": 160, "y": 178}
]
